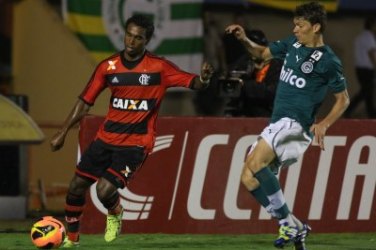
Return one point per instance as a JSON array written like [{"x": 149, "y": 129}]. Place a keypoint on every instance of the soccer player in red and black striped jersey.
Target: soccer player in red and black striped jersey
[{"x": 137, "y": 80}]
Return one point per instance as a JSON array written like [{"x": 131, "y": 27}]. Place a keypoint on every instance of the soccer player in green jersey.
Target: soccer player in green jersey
[{"x": 310, "y": 68}]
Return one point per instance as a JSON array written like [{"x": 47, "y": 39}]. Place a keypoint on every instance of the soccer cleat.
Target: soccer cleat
[
  {"x": 287, "y": 234},
  {"x": 113, "y": 226},
  {"x": 69, "y": 244},
  {"x": 299, "y": 242}
]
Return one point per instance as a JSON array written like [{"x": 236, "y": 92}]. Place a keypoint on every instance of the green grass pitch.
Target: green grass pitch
[
  {"x": 356, "y": 241},
  {"x": 15, "y": 235}
]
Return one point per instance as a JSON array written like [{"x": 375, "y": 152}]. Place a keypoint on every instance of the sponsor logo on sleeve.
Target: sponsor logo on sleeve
[{"x": 111, "y": 65}]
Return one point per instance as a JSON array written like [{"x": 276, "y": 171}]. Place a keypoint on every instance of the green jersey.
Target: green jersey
[{"x": 305, "y": 77}]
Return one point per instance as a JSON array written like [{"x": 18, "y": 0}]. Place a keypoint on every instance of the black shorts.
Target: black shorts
[{"x": 117, "y": 164}]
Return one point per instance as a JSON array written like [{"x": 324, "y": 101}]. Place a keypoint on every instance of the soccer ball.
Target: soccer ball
[{"x": 47, "y": 233}]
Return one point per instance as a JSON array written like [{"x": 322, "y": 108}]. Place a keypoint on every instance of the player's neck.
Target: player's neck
[
  {"x": 133, "y": 58},
  {"x": 317, "y": 41}
]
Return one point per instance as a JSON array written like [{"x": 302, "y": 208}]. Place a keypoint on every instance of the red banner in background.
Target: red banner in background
[{"x": 191, "y": 181}]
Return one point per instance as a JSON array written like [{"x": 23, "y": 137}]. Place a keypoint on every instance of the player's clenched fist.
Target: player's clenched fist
[
  {"x": 206, "y": 71},
  {"x": 237, "y": 31}
]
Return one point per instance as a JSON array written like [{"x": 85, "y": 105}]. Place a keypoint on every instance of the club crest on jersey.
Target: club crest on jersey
[
  {"x": 144, "y": 79},
  {"x": 111, "y": 65},
  {"x": 307, "y": 67}
]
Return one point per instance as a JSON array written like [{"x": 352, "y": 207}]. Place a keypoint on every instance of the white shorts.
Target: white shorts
[{"x": 288, "y": 140}]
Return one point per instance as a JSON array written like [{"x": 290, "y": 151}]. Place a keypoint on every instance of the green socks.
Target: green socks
[{"x": 269, "y": 185}]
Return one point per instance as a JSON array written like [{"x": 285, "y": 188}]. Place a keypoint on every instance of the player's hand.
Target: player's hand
[
  {"x": 237, "y": 31},
  {"x": 206, "y": 72},
  {"x": 57, "y": 141},
  {"x": 319, "y": 131}
]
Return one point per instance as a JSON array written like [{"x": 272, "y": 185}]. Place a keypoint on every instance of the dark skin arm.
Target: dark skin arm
[
  {"x": 78, "y": 112},
  {"x": 206, "y": 74}
]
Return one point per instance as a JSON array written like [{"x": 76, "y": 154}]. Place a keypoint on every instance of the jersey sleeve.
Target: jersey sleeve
[
  {"x": 95, "y": 86},
  {"x": 336, "y": 79},
  {"x": 279, "y": 48},
  {"x": 173, "y": 76}
]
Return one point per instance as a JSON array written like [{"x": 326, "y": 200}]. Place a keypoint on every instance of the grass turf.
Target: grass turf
[
  {"x": 14, "y": 235},
  {"x": 356, "y": 241}
]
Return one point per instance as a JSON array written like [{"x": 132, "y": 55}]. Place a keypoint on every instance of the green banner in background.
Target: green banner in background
[
  {"x": 178, "y": 27},
  {"x": 330, "y": 5}
]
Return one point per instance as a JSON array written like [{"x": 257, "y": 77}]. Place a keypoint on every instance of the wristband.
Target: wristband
[{"x": 204, "y": 82}]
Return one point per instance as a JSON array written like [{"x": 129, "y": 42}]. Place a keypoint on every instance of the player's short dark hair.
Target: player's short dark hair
[
  {"x": 142, "y": 21},
  {"x": 369, "y": 22},
  {"x": 313, "y": 12}
]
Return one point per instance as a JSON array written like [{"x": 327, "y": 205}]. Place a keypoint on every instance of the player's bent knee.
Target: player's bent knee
[
  {"x": 78, "y": 185},
  {"x": 110, "y": 201},
  {"x": 248, "y": 180},
  {"x": 253, "y": 165},
  {"x": 252, "y": 184},
  {"x": 105, "y": 189},
  {"x": 250, "y": 164},
  {"x": 115, "y": 180},
  {"x": 107, "y": 193},
  {"x": 246, "y": 175}
]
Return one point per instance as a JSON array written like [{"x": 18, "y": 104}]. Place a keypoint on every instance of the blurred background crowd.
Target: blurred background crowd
[{"x": 252, "y": 97}]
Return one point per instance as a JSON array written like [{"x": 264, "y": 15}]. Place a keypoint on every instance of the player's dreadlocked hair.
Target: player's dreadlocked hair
[
  {"x": 312, "y": 12},
  {"x": 144, "y": 22}
]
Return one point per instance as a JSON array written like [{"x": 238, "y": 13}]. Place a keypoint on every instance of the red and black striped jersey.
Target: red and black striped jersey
[{"x": 136, "y": 95}]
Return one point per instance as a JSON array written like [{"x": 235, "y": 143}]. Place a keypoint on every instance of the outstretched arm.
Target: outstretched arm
[
  {"x": 202, "y": 81},
  {"x": 257, "y": 51},
  {"x": 77, "y": 113},
  {"x": 319, "y": 129}
]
